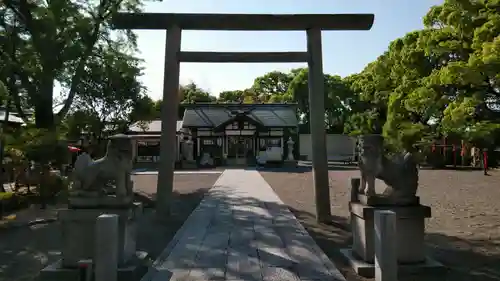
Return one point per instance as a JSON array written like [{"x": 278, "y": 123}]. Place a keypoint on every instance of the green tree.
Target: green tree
[
  {"x": 467, "y": 34},
  {"x": 54, "y": 41},
  {"x": 272, "y": 86},
  {"x": 145, "y": 109},
  {"x": 337, "y": 98},
  {"x": 439, "y": 81},
  {"x": 231, "y": 96},
  {"x": 191, "y": 93},
  {"x": 3, "y": 92},
  {"x": 109, "y": 91}
]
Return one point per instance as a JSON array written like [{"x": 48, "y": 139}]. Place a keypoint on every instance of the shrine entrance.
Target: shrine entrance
[
  {"x": 240, "y": 149},
  {"x": 175, "y": 23}
]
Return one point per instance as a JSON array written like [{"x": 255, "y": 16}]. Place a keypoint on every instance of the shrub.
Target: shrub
[
  {"x": 6, "y": 195},
  {"x": 10, "y": 201}
]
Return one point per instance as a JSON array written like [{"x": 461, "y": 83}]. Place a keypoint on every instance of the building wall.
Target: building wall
[
  {"x": 337, "y": 146},
  {"x": 135, "y": 146}
]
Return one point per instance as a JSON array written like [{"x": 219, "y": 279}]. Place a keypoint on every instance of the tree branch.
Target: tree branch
[
  {"x": 24, "y": 14},
  {"x": 103, "y": 13}
]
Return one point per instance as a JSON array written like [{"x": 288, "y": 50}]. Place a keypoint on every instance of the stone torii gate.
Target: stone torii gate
[{"x": 175, "y": 23}]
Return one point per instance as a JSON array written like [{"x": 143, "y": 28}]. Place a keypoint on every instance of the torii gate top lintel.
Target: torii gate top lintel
[{"x": 243, "y": 21}]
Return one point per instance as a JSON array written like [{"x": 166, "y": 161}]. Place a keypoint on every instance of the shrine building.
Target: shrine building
[{"x": 220, "y": 134}]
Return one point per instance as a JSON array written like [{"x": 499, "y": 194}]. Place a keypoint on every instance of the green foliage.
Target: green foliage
[
  {"x": 230, "y": 96},
  {"x": 440, "y": 81},
  {"x": 443, "y": 80},
  {"x": 191, "y": 93},
  {"x": 52, "y": 41},
  {"x": 108, "y": 93},
  {"x": 41, "y": 145},
  {"x": 272, "y": 87},
  {"x": 338, "y": 97},
  {"x": 3, "y": 91},
  {"x": 6, "y": 195}
]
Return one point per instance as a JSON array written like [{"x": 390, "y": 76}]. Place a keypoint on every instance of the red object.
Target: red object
[
  {"x": 73, "y": 149},
  {"x": 462, "y": 152},
  {"x": 485, "y": 160}
]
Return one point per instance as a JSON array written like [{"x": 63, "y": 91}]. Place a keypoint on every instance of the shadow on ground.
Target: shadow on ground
[
  {"x": 470, "y": 263},
  {"x": 305, "y": 168},
  {"x": 24, "y": 251},
  {"x": 475, "y": 262}
]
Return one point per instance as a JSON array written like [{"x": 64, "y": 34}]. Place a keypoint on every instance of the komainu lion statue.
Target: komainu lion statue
[
  {"x": 399, "y": 173},
  {"x": 113, "y": 170}
]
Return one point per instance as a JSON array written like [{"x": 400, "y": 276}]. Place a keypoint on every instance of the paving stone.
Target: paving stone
[
  {"x": 275, "y": 257},
  {"x": 211, "y": 258},
  {"x": 241, "y": 235},
  {"x": 208, "y": 274},
  {"x": 304, "y": 255},
  {"x": 294, "y": 238},
  {"x": 268, "y": 237},
  {"x": 241, "y": 265},
  {"x": 312, "y": 272},
  {"x": 242, "y": 231},
  {"x": 217, "y": 239},
  {"x": 278, "y": 274},
  {"x": 174, "y": 275},
  {"x": 249, "y": 249}
]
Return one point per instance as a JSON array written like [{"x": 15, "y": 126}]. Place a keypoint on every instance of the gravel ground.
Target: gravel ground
[
  {"x": 25, "y": 251},
  {"x": 463, "y": 233}
]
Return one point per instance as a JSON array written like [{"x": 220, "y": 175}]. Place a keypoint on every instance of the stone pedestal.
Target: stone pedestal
[
  {"x": 290, "y": 163},
  {"x": 136, "y": 269},
  {"x": 381, "y": 201},
  {"x": 410, "y": 232},
  {"x": 100, "y": 203},
  {"x": 189, "y": 164},
  {"x": 410, "y": 226},
  {"x": 78, "y": 227},
  {"x": 78, "y": 233}
]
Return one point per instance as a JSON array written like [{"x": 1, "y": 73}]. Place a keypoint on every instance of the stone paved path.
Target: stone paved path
[{"x": 242, "y": 231}]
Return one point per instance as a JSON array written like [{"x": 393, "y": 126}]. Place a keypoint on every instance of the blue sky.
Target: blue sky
[{"x": 344, "y": 52}]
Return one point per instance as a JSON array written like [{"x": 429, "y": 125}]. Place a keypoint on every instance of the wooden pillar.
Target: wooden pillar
[
  {"x": 317, "y": 125},
  {"x": 169, "y": 122}
]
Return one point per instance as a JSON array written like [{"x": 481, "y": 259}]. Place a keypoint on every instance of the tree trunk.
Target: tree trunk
[
  {"x": 2, "y": 143},
  {"x": 44, "y": 115}
]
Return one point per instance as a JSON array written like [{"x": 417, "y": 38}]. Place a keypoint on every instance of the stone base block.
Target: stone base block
[
  {"x": 78, "y": 202},
  {"x": 132, "y": 271},
  {"x": 367, "y": 270},
  {"x": 379, "y": 200},
  {"x": 410, "y": 231},
  {"x": 78, "y": 233}
]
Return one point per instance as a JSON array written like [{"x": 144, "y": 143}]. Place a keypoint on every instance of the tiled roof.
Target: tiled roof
[
  {"x": 212, "y": 115},
  {"x": 153, "y": 127},
  {"x": 13, "y": 118}
]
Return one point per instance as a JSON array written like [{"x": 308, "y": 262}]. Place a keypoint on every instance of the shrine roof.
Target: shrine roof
[{"x": 211, "y": 115}]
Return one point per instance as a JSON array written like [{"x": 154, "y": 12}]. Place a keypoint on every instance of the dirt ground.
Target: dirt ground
[
  {"x": 25, "y": 251},
  {"x": 463, "y": 233}
]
